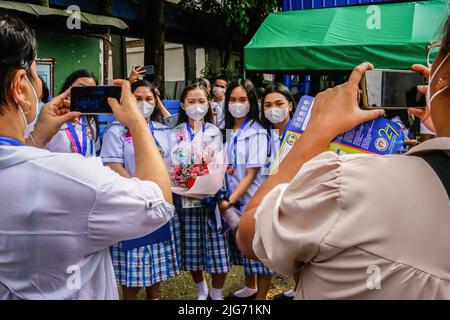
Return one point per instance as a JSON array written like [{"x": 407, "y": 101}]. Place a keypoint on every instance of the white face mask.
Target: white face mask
[
  {"x": 219, "y": 92},
  {"x": 197, "y": 111},
  {"x": 276, "y": 114},
  {"x": 239, "y": 110},
  {"x": 429, "y": 97},
  {"x": 146, "y": 109},
  {"x": 29, "y": 127}
]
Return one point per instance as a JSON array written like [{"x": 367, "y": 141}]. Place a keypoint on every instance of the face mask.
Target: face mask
[
  {"x": 276, "y": 115},
  {"x": 197, "y": 111},
  {"x": 219, "y": 92},
  {"x": 146, "y": 109},
  {"x": 29, "y": 127},
  {"x": 429, "y": 97},
  {"x": 239, "y": 110}
]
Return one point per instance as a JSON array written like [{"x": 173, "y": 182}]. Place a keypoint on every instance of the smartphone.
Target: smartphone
[
  {"x": 149, "y": 70},
  {"x": 93, "y": 100},
  {"x": 392, "y": 89}
]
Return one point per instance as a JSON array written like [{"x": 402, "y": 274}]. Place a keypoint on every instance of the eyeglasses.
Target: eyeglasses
[{"x": 433, "y": 51}]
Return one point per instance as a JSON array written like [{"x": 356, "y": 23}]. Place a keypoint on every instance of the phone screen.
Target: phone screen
[
  {"x": 93, "y": 100},
  {"x": 394, "y": 89}
]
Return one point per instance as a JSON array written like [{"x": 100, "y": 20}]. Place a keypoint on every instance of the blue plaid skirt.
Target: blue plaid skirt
[
  {"x": 203, "y": 247},
  {"x": 251, "y": 267},
  {"x": 148, "y": 265}
]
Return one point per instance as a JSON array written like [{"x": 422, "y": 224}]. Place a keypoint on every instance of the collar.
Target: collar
[
  {"x": 12, "y": 156},
  {"x": 252, "y": 128},
  {"x": 431, "y": 145}
]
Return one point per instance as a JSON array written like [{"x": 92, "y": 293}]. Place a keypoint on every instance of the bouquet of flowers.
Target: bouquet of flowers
[
  {"x": 197, "y": 170},
  {"x": 184, "y": 175}
]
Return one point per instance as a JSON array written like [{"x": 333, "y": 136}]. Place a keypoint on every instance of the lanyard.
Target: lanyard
[
  {"x": 4, "y": 141},
  {"x": 285, "y": 131},
  {"x": 235, "y": 140},
  {"x": 152, "y": 129},
  {"x": 191, "y": 134},
  {"x": 73, "y": 137}
]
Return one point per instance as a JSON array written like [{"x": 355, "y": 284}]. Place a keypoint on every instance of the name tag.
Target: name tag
[{"x": 190, "y": 203}]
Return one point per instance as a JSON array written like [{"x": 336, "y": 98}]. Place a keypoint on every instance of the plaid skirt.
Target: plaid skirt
[
  {"x": 148, "y": 265},
  {"x": 203, "y": 247},
  {"x": 251, "y": 267}
]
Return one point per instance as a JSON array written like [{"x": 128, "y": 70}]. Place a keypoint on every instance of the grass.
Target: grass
[{"x": 182, "y": 287}]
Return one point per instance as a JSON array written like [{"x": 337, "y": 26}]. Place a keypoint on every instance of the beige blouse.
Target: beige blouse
[{"x": 360, "y": 227}]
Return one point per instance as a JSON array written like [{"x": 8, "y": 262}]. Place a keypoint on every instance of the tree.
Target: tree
[
  {"x": 104, "y": 8},
  {"x": 155, "y": 37},
  {"x": 241, "y": 17}
]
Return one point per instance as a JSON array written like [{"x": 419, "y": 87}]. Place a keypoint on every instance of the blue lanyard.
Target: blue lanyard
[
  {"x": 152, "y": 129},
  {"x": 4, "y": 141},
  {"x": 285, "y": 131},
  {"x": 235, "y": 140},
  {"x": 191, "y": 134},
  {"x": 80, "y": 150}
]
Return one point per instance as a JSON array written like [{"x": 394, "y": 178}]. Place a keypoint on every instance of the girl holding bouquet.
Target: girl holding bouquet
[
  {"x": 195, "y": 143},
  {"x": 247, "y": 153},
  {"x": 151, "y": 261}
]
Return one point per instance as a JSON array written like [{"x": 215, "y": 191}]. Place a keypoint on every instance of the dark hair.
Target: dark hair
[
  {"x": 201, "y": 82},
  {"x": 252, "y": 99},
  {"x": 45, "y": 91},
  {"x": 70, "y": 80},
  {"x": 17, "y": 51},
  {"x": 156, "y": 115},
  {"x": 182, "y": 116},
  {"x": 260, "y": 92},
  {"x": 283, "y": 90},
  {"x": 222, "y": 77},
  {"x": 76, "y": 75}
]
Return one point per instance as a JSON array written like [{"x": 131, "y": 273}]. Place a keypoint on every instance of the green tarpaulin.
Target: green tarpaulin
[
  {"x": 88, "y": 18},
  {"x": 387, "y": 35}
]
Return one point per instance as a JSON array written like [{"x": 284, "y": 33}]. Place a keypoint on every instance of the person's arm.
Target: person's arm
[
  {"x": 335, "y": 111},
  {"x": 242, "y": 187},
  {"x": 164, "y": 112},
  {"x": 149, "y": 163},
  {"x": 53, "y": 115},
  {"x": 120, "y": 169}
]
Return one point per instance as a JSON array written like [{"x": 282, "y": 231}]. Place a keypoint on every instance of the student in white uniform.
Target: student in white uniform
[
  {"x": 247, "y": 148},
  {"x": 217, "y": 104},
  {"x": 278, "y": 107},
  {"x": 79, "y": 136},
  {"x": 154, "y": 259},
  {"x": 204, "y": 246},
  {"x": 61, "y": 212}
]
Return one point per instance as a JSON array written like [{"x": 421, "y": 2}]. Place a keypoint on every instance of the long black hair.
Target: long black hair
[
  {"x": 182, "y": 116},
  {"x": 156, "y": 115},
  {"x": 284, "y": 91},
  {"x": 70, "y": 80},
  {"x": 252, "y": 96},
  {"x": 82, "y": 73}
]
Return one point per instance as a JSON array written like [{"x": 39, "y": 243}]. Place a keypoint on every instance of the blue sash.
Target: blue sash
[
  {"x": 4, "y": 141},
  {"x": 160, "y": 235}
]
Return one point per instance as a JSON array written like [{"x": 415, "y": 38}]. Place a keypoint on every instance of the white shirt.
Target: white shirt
[
  {"x": 252, "y": 152},
  {"x": 61, "y": 142},
  {"x": 118, "y": 146},
  {"x": 220, "y": 113},
  {"x": 59, "y": 215}
]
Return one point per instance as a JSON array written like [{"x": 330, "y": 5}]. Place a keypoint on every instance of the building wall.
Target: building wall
[{"x": 70, "y": 52}]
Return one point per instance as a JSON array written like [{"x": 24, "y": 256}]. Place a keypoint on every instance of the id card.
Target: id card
[{"x": 190, "y": 203}]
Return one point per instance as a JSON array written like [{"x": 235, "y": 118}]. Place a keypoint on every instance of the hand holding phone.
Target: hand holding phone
[
  {"x": 93, "y": 100},
  {"x": 392, "y": 89}
]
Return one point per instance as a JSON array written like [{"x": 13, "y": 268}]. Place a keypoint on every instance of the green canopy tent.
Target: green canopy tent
[{"x": 388, "y": 35}]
